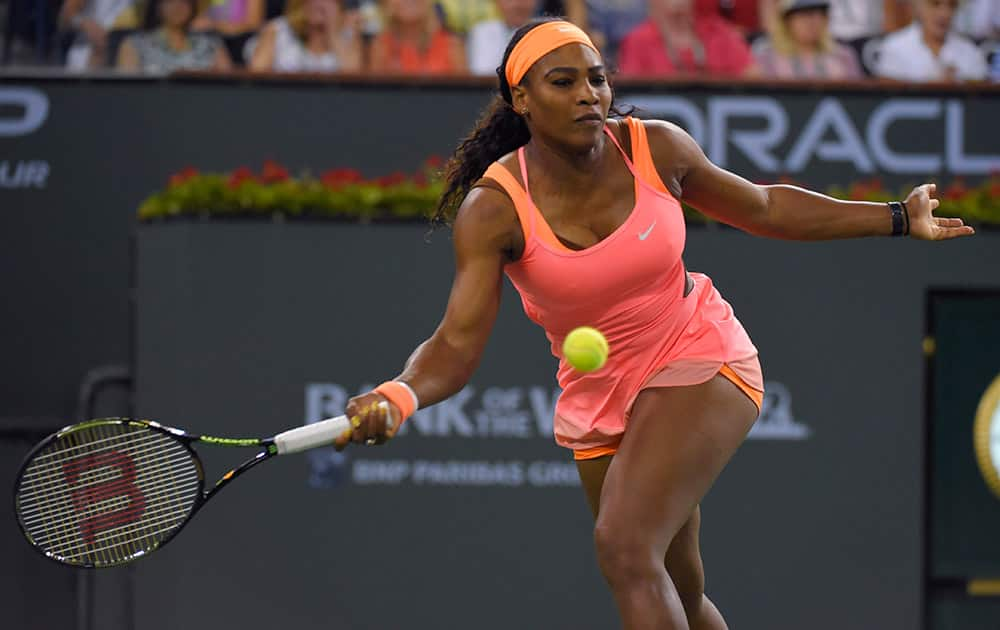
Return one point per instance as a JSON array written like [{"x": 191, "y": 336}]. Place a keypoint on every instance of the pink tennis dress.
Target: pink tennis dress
[{"x": 630, "y": 286}]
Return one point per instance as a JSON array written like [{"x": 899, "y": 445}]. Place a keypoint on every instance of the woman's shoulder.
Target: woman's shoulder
[
  {"x": 665, "y": 132},
  {"x": 510, "y": 163},
  {"x": 901, "y": 40},
  {"x": 488, "y": 212}
]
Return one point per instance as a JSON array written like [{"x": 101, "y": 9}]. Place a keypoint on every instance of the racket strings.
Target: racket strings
[
  {"x": 106, "y": 493},
  {"x": 134, "y": 449}
]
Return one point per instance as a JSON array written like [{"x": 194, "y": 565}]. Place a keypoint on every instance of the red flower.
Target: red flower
[
  {"x": 956, "y": 191},
  {"x": 182, "y": 176},
  {"x": 392, "y": 179},
  {"x": 339, "y": 177},
  {"x": 858, "y": 191},
  {"x": 240, "y": 175},
  {"x": 420, "y": 180},
  {"x": 434, "y": 162},
  {"x": 273, "y": 172}
]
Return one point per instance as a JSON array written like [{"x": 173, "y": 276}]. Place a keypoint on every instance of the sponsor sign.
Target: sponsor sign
[{"x": 506, "y": 415}]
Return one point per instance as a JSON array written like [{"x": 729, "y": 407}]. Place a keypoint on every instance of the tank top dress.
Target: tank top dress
[{"x": 631, "y": 287}]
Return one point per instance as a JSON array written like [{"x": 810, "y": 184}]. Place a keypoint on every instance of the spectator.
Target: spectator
[
  {"x": 800, "y": 45},
  {"x": 609, "y": 21},
  {"x": 414, "y": 42},
  {"x": 231, "y": 17},
  {"x": 460, "y": 16},
  {"x": 853, "y": 20},
  {"x": 488, "y": 40},
  {"x": 168, "y": 44},
  {"x": 673, "y": 42},
  {"x": 92, "y": 20},
  {"x": 929, "y": 50},
  {"x": 312, "y": 36},
  {"x": 743, "y": 14},
  {"x": 979, "y": 19}
]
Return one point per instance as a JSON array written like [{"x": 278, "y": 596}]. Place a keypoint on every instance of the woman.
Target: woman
[
  {"x": 414, "y": 42},
  {"x": 583, "y": 214},
  {"x": 801, "y": 47},
  {"x": 168, "y": 43},
  {"x": 312, "y": 36},
  {"x": 92, "y": 21}
]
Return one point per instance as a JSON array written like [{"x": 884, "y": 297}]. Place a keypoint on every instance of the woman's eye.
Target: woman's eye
[
  {"x": 598, "y": 80},
  {"x": 562, "y": 82}
]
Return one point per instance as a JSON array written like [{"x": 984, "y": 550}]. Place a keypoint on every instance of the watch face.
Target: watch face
[{"x": 986, "y": 435}]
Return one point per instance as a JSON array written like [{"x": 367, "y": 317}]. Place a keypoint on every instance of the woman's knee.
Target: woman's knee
[{"x": 626, "y": 556}]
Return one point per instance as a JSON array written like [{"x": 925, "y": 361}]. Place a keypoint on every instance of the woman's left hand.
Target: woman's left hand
[{"x": 920, "y": 205}]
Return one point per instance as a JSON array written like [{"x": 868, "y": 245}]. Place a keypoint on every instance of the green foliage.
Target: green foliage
[
  {"x": 976, "y": 205},
  {"x": 344, "y": 194},
  {"x": 341, "y": 194}
]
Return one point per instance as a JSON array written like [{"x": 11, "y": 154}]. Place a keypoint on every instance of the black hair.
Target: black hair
[{"x": 151, "y": 20}]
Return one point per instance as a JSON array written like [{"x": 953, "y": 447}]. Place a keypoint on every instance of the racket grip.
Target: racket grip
[
  {"x": 321, "y": 433},
  {"x": 317, "y": 434}
]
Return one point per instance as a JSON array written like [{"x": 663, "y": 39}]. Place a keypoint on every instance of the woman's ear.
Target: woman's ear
[{"x": 519, "y": 99}]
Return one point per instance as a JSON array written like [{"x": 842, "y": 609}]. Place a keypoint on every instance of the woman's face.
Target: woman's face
[
  {"x": 410, "y": 10},
  {"x": 935, "y": 17},
  {"x": 320, "y": 12},
  {"x": 175, "y": 13},
  {"x": 807, "y": 27},
  {"x": 567, "y": 96}
]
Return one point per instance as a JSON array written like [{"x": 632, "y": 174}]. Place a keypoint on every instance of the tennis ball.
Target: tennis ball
[{"x": 585, "y": 348}]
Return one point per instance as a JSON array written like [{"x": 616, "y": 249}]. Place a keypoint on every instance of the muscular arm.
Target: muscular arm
[
  {"x": 443, "y": 364},
  {"x": 783, "y": 212}
]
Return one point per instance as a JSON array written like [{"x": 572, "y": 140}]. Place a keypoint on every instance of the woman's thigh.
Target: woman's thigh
[{"x": 677, "y": 442}]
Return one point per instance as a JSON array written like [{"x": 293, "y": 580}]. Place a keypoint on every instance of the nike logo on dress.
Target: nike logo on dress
[{"x": 643, "y": 235}]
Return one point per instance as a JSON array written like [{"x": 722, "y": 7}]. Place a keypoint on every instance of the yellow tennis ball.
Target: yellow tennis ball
[{"x": 586, "y": 349}]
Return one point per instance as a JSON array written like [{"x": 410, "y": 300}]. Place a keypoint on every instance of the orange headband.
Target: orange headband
[{"x": 539, "y": 42}]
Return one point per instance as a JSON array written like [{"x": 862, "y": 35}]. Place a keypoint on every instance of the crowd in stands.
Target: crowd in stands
[{"x": 906, "y": 40}]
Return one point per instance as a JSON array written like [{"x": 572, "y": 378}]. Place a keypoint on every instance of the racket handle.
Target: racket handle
[{"x": 321, "y": 433}]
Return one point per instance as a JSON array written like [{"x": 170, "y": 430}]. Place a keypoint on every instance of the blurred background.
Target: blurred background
[{"x": 197, "y": 199}]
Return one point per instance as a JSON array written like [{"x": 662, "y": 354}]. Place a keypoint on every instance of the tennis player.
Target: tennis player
[{"x": 582, "y": 212}]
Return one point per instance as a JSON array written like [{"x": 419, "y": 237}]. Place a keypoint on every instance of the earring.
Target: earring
[{"x": 524, "y": 111}]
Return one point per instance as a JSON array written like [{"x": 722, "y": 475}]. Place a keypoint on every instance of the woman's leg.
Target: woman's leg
[
  {"x": 683, "y": 558},
  {"x": 684, "y": 566},
  {"x": 678, "y": 441}
]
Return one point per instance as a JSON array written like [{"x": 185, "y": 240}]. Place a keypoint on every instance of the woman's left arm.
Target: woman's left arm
[{"x": 785, "y": 212}]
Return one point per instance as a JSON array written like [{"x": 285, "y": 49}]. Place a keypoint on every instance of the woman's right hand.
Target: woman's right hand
[{"x": 374, "y": 420}]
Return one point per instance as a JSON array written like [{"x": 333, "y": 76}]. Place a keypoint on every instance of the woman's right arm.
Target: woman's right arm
[
  {"x": 262, "y": 59},
  {"x": 444, "y": 363}
]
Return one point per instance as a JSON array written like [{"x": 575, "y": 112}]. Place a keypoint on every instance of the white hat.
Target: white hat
[{"x": 787, "y": 6}]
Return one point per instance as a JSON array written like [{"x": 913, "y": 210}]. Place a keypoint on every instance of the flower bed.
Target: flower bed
[{"x": 345, "y": 194}]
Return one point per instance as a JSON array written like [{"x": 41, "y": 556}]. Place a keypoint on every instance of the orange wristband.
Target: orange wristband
[{"x": 401, "y": 396}]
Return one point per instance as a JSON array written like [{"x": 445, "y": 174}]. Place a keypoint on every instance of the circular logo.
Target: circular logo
[{"x": 986, "y": 436}]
